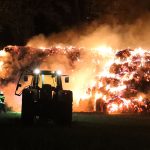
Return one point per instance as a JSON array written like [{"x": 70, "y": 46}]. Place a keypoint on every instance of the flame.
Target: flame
[
  {"x": 98, "y": 96},
  {"x": 114, "y": 83},
  {"x": 3, "y": 53},
  {"x": 98, "y": 74},
  {"x": 104, "y": 50},
  {"x": 1, "y": 65},
  {"x": 113, "y": 108}
]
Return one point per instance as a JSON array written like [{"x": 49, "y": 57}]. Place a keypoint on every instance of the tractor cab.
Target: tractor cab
[
  {"x": 43, "y": 96},
  {"x": 38, "y": 79}
]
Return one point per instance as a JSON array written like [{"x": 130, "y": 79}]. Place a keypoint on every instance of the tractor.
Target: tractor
[{"x": 43, "y": 97}]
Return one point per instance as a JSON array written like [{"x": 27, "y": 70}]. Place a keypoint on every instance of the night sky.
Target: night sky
[{"x": 22, "y": 19}]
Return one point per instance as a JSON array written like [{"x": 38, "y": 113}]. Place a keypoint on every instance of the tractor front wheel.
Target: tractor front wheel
[{"x": 27, "y": 111}]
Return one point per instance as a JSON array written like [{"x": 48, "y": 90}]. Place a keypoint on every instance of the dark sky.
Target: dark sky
[{"x": 22, "y": 19}]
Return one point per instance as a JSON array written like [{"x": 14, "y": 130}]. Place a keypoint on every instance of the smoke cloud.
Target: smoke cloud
[
  {"x": 93, "y": 46},
  {"x": 117, "y": 36}
]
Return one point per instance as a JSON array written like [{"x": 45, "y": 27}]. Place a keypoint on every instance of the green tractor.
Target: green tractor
[
  {"x": 43, "y": 97},
  {"x": 2, "y": 102}
]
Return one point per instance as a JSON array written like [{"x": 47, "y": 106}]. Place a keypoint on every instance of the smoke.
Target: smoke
[
  {"x": 117, "y": 36},
  {"x": 93, "y": 46}
]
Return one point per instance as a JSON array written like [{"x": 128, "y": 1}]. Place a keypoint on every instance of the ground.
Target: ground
[{"x": 89, "y": 131}]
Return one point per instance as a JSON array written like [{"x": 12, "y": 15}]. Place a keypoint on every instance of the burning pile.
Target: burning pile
[
  {"x": 124, "y": 85},
  {"x": 15, "y": 59}
]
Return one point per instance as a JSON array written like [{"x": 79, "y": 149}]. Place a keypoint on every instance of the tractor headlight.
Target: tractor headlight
[
  {"x": 58, "y": 72},
  {"x": 36, "y": 71}
]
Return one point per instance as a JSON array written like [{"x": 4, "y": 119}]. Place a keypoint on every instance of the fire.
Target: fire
[
  {"x": 101, "y": 79},
  {"x": 122, "y": 80},
  {"x": 1, "y": 65},
  {"x": 98, "y": 95},
  {"x": 3, "y": 53},
  {"x": 104, "y": 50},
  {"x": 113, "y": 107}
]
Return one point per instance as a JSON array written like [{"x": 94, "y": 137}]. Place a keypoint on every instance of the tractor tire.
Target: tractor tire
[
  {"x": 64, "y": 107},
  {"x": 27, "y": 111},
  {"x": 45, "y": 102}
]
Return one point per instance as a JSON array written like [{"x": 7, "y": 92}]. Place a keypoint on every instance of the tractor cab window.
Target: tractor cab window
[
  {"x": 47, "y": 79},
  {"x": 22, "y": 84}
]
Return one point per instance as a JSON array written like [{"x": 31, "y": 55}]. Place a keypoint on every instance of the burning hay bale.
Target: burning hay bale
[{"x": 125, "y": 85}]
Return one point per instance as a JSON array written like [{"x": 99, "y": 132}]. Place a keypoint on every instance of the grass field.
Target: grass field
[{"x": 89, "y": 131}]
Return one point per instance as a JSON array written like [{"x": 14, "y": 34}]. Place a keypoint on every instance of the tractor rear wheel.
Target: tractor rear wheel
[
  {"x": 64, "y": 107},
  {"x": 45, "y": 103}
]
